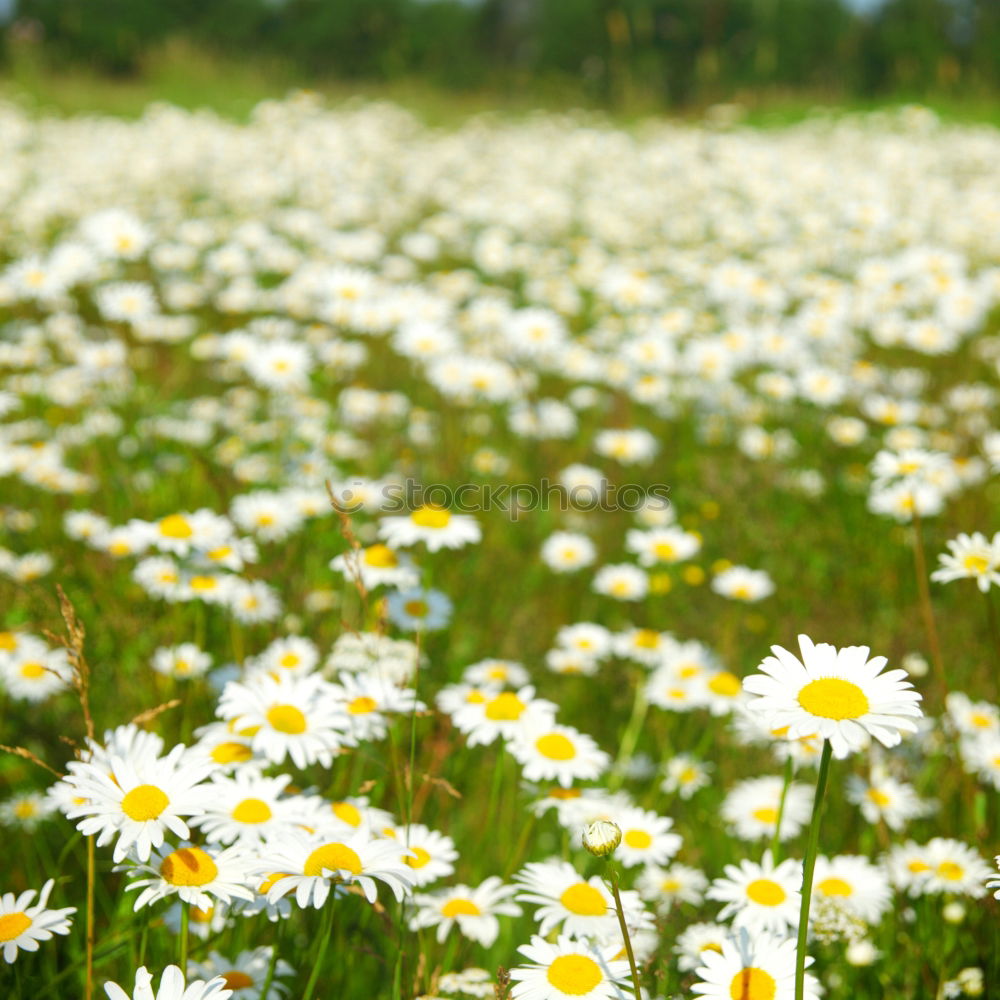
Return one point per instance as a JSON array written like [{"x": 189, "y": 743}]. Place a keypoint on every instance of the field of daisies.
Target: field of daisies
[{"x": 535, "y": 559}]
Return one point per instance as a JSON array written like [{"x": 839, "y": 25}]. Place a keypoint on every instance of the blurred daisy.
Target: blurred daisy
[
  {"x": 685, "y": 775},
  {"x": 646, "y": 838},
  {"x": 419, "y": 610},
  {"x": 547, "y": 751},
  {"x": 886, "y": 799},
  {"x": 485, "y": 716},
  {"x": 246, "y": 974},
  {"x": 853, "y": 883},
  {"x": 751, "y": 808},
  {"x": 760, "y": 897},
  {"x": 665, "y": 886},
  {"x": 568, "y": 970},
  {"x": 662, "y": 545},
  {"x": 172, "y": 987},
  {"x": 954, "y": 867},
  {"x": 376, "y": 566},
  {"x": 182, "y": 662},
  {"x": 566, "y": 551},
  {"x": 695, "y": 940},
  {"x": 473, "y": 910},
  {"x": 971, "y": 557},
  {"x": 505, "y": 673},
  {"x": 22, "y": 925},
  {"x": 27, "y": 810},
  {"x": 367, "y": 700},
  {"x": 739, "y": 583},
  {"x": 435, "y": 526},
  {"x": 622, "y": 581},
  {"x": 838, "y": 694}
]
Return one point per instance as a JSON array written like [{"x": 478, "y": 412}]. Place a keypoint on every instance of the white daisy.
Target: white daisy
[
  {"x": 569, "y": 970},
  {"x": 436, "y": 527},
  {"x": 838, "y": 694},
  {"x": 752, "y": 967},
  {"x": 473, "y": 910},
  {"x": 22, "y": 925},
  {"x": 172, "y": 987},
  {"x": 547, "y": 751},
  {"x": 761, "y": 896}
]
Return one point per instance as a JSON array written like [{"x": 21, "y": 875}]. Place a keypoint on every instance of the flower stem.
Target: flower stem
[
  {"x": 923, "y": 587},
  {"x": 808, "y": 867},
  {"x": 613, "y": 874},
  {"x": 324, "y": 940},
  {"x": 91, "y": 932},
  {"x": 776, "y": 839},
  {"x": 271, "y": 966},
  {"x": 185, "y": 917}
]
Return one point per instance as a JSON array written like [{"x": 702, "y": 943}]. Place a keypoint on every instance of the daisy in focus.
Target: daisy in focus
[
  {"x": 838, "y": 694},
  {"x": 473, "y": 910},
  {"x": 569, "y": 969},
  {"x": 172, "y": 987},
  {"x": 22, "y": 925},
  {"x": 752, "y": 967}
]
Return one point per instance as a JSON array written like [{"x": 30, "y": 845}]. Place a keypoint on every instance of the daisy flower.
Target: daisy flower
[
  {"x": 138, "y": 800},
  {"x": 760, "y": 897},
  {"x": 311, "y": 867},
  {"x": 646, "y": 838},
  {"x": 739, "y": 583},
  {"x": 485, "y": 717},
  {"x": 290, "y": 655},
  {"x": 367, "y": 699},
  {"x": 474, "y": 911},
  {"x": 26, "y": 810},
  {"x": 428, "y": 854},
  {"x": 838, "y": 694},
  {"x": 752, "y": 967},
  {"x": 198, "y": 876},
  {"x": 499, "y": 672},
  {"x": 375, "y": 566},
  {"x": 971, "y": 557},
  {"x": 853, "y": 883},
  {"x": 622, "y": 581},
  {"x": 695, "y": 940},
  {"x": 569, "y": 970},
  {"x": 579, "y": 907},
  {"x": 172, "y": 987},
  {"x": 246, "y": 974},
  {"x": 751, "y": 808},
  {"x": 33, "y": 671},
  {"x": 685, "y": 775},
  {"x": 662, "y": 545},
  {"x": 246, "y": 808},
  {"x": 884, "y": 798},
  {"x": 550, "y": 752},
  {"x": 437, "y": 527},
  {"x": 566, "y": 551},
  {"x": 419, "y": 610},
  {"x": 183, "y": 661},
  {"x": 678, "y": 883},
  {"x": 954, "y": 867},
  {"x": 643, "y": 645},
  {"x": 294, "y": 717},
  {"x": 22, "y": 925}
]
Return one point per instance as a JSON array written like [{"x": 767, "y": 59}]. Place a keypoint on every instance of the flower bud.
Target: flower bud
[{"x": 602, "y": 837}]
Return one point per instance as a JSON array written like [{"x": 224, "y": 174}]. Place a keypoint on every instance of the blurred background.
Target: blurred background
[{"x": 622, "y": 54}]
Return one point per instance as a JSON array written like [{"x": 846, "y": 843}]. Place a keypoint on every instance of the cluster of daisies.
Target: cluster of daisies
[{"x": 227, "y": 355}]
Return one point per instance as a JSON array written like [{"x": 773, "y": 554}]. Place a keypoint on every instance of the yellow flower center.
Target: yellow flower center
[
  {"x": 555, "y": 746},
  {"x": 664, "y": 551},
  {"x": 222, "y": 552},
  {"x": 575, "y": 975},
  {"x": 380, "y": 556},
  {"x": 766, "y": 814},
  {"x": 119, "y": 548},
  {"x": 565, "y": 793},
  {"x": 416, "y": 609},
  {"x": 144, "y": 802},
  {"x": 726, "y": 684},
  {"x": 236, "y": 980},
  {"x": 8, "y": 642},
  {"x": 286, "y": 719},
  {"x": 175, "y": 526},
  {"x": 505, "y": 707},
  {"x": 431, "y": 517},
  {"x": 25, "y": 810},
  {"x": 417, "y": 858},
  {"x": 32, "y": 671},
  {"x": 916, "y": 866},
  {"x": 289, "y": 660},
  {"x": 252, "y": 811},
  {"x": 646, "y": 638},
  {"x": 460, "y": 908},
  {"x": 879, "y": 798},
  {"x": 688, "y": 775},
  {"x": 980, "y": 720},
  {"x": 362, "y": 705},
  {"x": 584, "y": 900},
  {"x": 203, "y": 583},
  {"x": 638, "y": 839},
  {"x": 200, "y": 916},
  {"x": 12, "y": 925},
  {"x": 835, "y": 887},
  {"x": 347, "y": 813},
  {"x": 669, "y": 885},
  {"x": 833, "y": 698},
  {"x": 334, "y": 858},
  {"x": 976, "y": 563},
  {"x": 766, "y": 892},
  {"x": 231, "y": 752},
  {"x": 752, "y": 984},
  {"x": 188, "y": 866},
  {"x": 950, "y": 871}
]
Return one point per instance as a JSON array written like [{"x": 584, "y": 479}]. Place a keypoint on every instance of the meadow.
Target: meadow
[{"x": 382, "y": 504}]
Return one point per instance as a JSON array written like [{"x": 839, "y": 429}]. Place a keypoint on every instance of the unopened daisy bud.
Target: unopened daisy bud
[
  {"x": 602, "y": 837},
  {"x": 953, "y": 912}
]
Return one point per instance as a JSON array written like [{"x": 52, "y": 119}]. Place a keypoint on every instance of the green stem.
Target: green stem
[
  {"x": 324, "y": 940},
  {"x": 630, "y": 737},
  {"x": 185, "y": 917},
  {"x": 271, "y": 966},
  {"x": 613, "y": 872},
  {"x": 776, "y": 839},
  {"x": 808, "y": 866},
  {"x": 91, "y": 930}
]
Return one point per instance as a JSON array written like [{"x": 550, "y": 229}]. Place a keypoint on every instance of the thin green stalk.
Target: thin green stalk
[
  {"x": 620, "y": 910},
  {"x": 271, "y": 966},
  {"x": 185, "y": 917},
  {"x": 808, "y": 867},
  {"x": 630, "y": 737},
  {"x": 326, "y": 930},
  {"x": 926, "y": 608},
  {"x": 88, "y": 990},
  {"x": 776, "y": 839}
]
